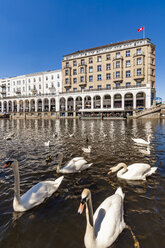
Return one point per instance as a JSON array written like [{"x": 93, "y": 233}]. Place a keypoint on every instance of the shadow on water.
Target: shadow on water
[{"x": 56, "y": 223}]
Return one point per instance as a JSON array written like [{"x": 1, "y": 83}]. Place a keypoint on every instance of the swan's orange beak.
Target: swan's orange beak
[
  {"x": 7, "y": 164},
  {"x": 81, "y": 208},
  {"x": 109, "y": 172}
]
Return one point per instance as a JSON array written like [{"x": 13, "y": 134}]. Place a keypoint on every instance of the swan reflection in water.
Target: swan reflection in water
[{"x": 145, "y": 151}]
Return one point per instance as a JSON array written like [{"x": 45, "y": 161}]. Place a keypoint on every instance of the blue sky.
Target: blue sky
[{"x": 35, "y": 34}]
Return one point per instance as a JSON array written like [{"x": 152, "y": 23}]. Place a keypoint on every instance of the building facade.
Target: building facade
[
  {"x": 122, "y": 64},
  {"x": 48, "y": 82},
  {"x": 114, "y": 79}
]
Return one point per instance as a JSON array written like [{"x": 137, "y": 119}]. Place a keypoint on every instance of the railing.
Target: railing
[
  {"x": 116, "y": 58},
  {"x": 108, "y": 89},
  {"x": 79, "y": 64},
  {"x": 138, "y": 54},
  {"x": 27, "y": 96},
  {"x": 67, "y": 67},
  {"x": 139, "y": 76},
  {"x": 150, "y": 110},
  {"x": 86, "y": 90}
]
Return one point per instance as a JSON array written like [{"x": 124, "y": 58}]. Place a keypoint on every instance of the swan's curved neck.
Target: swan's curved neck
[
  {"x": 120, "y": 165},
  {"x": 90, "y": 236},
  {"x": 149, "y": 138},
  {"x": 60, "y": 162},
  {"x": 16, "y": 182}
]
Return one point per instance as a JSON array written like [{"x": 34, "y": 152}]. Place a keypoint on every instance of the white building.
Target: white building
[
  {"x": 118, "y": 100},
  {"x": 42, "y": 83}
]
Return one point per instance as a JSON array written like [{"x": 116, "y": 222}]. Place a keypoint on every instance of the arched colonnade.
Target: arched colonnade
[{"x": 72, "y": 103}]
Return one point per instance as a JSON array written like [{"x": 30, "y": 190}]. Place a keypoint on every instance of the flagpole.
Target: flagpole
[{"x": 144, "y": 33}]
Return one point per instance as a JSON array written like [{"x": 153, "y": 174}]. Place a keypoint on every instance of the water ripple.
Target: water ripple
[{"x": 55, "y": 223}]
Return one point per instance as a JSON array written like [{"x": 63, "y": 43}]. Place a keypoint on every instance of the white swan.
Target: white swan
[
  {"x": 142, "y": 141},
  {"x": 9, "y": 136},
  {"x": 87, "y": 150},
  {"x": 107, "y": 223},
  {"x": 136, "y": 171},
  {"x": 71, "y": 135},
  {"x": 47, "y": 143},
  {"x": 76, "y": 164},
  {"x": 34, "y": 196}
]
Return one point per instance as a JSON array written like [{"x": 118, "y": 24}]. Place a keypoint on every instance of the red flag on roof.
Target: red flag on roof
[{"x": 140, "y": 29}]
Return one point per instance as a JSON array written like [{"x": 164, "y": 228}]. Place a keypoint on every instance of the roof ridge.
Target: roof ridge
[{"x": 104, "y": 46}]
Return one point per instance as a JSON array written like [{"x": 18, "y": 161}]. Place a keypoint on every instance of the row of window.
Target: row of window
[
  {"x": 18, "y": 89},
  {"x": 18, "y": 82},
  {"x": 108, "y": 76},
  {"x": 108, "y": 86},
  {"x": 99, "y": 67},
  {"x": 99, "y": 58},
  {"x": 35, "y": 79}
]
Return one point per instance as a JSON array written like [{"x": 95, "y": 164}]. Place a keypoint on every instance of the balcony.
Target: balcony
[
  {"x": 140, "y": 76},
  {"x": 82, "y": 64},
  {"x": 68, "y": 84},
  {"x": 83, "y": 83},
  {"x": 18, "y": 92},
  {"x": 117, "y": 58},
  {"x": 52, "y": 89},
  {"x": 3, "y": 85},
  {"x": 67, "y": 67},
  {"x": 139, "y": 54},
  {"x": 118, "y": 79},
  {"x": 3, "y": 92}
]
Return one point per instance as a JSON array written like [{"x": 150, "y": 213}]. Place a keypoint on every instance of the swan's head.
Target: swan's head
[
  {"x": 117, "y": 167},
  {"x": 89, "y": 147},
  {"x": 9, "y": 163},
  {"x": 84, "y": 198}
]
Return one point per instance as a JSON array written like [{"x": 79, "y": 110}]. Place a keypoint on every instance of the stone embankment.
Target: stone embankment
[{"x": 157, "y": 111}]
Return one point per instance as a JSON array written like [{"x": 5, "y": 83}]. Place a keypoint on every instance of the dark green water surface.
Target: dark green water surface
[{"x": 56, "y": 223}]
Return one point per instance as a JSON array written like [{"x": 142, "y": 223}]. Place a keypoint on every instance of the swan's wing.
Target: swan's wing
[
  {"x": 72, "y": 166},
  {"x": 84, "y": 149},
  {"x": 80, "y": 163},
  {"x": 72, "y": 161},
  {"x": 108, "y": 220},
  {"x": 86, "y": 166},
  {"x": 136, "y": 171},
  {"x": 77, "y": 158},
  {"x": 75, "y": 166},
  {"x": 39, "y": 192},
  {"x": 69, "y": 164}
]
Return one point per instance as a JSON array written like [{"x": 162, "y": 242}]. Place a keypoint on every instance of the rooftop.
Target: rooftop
[
  {"x": 109, "y": 45},
  {"x": 31, "y": 74}
]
